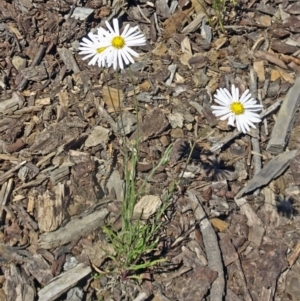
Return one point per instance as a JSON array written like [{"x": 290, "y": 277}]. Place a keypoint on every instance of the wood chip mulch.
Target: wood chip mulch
[{"x": 231, "y": 232}]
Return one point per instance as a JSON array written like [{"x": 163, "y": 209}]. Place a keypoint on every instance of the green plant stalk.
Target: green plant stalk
[
  {"x": 136, "y": 104},
  {"x": 162, "y": 161},
  {"x": 219, "y": 7},
  {"x": 136, "y": 241}
]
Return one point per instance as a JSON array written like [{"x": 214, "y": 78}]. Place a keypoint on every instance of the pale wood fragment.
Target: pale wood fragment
[
  {"x": 39, "y": 268},
  {"x": 5, "y": 192},
  {"x": 272, "y": 58},
  {"x": 194, "y": 24},
  {"x": 11, "y": 104},
  {"x": 36, "y": 182},
  {"x": 294, "y": 255},
  {"x": 29, "y": 109},
  {"x": 59, "y": 174},
  {"x": 103, "y": 113},
  {"x": 270, "y": 171},
  {"x": 10, "y": 172},
  {"x": 75, "y": 229},
  {"x": 246, "y": 209},
  {"x": 18, "y": 285},
  {"x": 271, "y": 108},
  {"x": 81, "y": 13},
  {"x": 256, "y": 234},
  {"x": 37, "y": 73},
  {"x": 285, "y": 118},
  {"x": 224, "y": 141},
  {"x": 51, "y": 208},
  {"x": 67, "y": 57},
  {"x": 37, "y": 59},
  {"x": 146, "y": 206},
  {"x": 270, "y": 206},
  {"x": 63, "y": 282},
  {"x": 162, "y": 9},
  {"x": 28, "y": 221}
]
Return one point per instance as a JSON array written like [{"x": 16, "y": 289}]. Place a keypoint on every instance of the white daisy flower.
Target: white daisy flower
[
  {"x": 117, "y": 46},
  {"x": 237, "y": 110},
  {"x": 93, "y": 48}
]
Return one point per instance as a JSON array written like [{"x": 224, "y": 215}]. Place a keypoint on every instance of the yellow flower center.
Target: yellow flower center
[
  {"x": 118, "y": 42},
  {"x": 101, "y": 49},
  {"x": 237, "y": 108}
]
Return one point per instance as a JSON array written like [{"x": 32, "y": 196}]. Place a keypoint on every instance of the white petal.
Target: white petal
[
  {"x": 222, "y": 101},
  {"x": 252, "y": 117},
  {"x": 243, "y": 125},
  {"x": 88, "y": 56},
  {"x": 251, "y": 107},
  {"x": 132, "y": 52},
  {"x": 116, "y": 26},
  {"x": 245, "y": 96},
  {"x": 220, "y": 108},
  {"x": 109, "y": 56},
  {"x": 124, "y": 57},
  {"x": 231, "y": 120},
  {"x": 221, "y": 113},
  {"x": 136, "y": 42},
  {"x": 225, "y": 116},
  {"x": 120, "y": 60},
  {"x": 247, "y": 121},
  {"x": 226, "y": 94},
  {"x": 109, "y": 28},
  {"x": 130, "y": 58},
  {"x": 93, "y": 61},
  {"x": 238, "y": 125},
  {"x": 125, "y": 31},
  {"x": 235, "y": 93},
  {"x": 129, "y": 32}
]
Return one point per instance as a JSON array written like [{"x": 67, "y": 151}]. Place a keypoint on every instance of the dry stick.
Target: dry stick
[
  {"x": 142, "y": 14},
  {"x": 5, "y": 192},
  {"x": 254, "y": 139},
  {"x": 156, "y": 24},
  {"x": 265, "y": 119},
  {"x": 141, "y": 297},
  {"x": 271, "y": 108},
  {"x": 211, "y": 247},
  {"x": 108, "y": 118},
  {"x": 10, "y": 172},
  {"x": 224, "y": 141},
  {"x": 242, "y": 280},
  {"x": 37, "y": 59}
]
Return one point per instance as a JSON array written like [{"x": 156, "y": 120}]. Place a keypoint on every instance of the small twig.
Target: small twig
[
  {"x": 246, "y": 209},
  {"x": 224, "y": 141},
  {"x": 141, "y": 297},
  {"x": 5, "y": 194},
  {"x": 271, "y": 108},
  {"x": 143, "y": 15},
  {"x": 240, "y": 27},
  {"x": 212, "y": 248},
  {"x": 156, "y": 24},
  {"x": 108, "y": 118},
  {"x": 242, "y": 280},
  {"x": 265, "y": 120},
  {"x": 254, "y": 139},
  {"x": 10, "y": 172}
]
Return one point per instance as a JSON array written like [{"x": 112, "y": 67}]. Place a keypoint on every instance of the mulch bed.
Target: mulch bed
[{"x": 232, "y": 229}]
